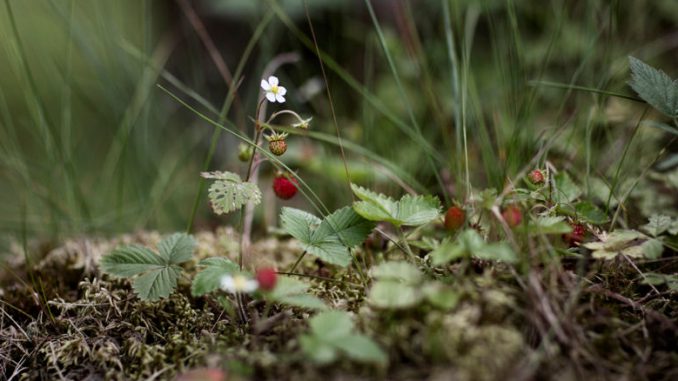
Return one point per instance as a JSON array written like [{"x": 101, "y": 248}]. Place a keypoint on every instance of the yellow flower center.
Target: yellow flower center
[
  {"x": 274, "y": 89},
  {"x": 239, "y": 282}
]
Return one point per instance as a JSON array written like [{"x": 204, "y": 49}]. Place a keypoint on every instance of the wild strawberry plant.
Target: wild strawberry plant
[
  {"x": 158, "y": 273},
  {"x": 155, "y": 273},
  {"x": 546, "y": 206},
  {"x": 331, "y": 238}
]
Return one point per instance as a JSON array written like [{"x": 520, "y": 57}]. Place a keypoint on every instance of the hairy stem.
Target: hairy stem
[{"x": 245, "y": 236}]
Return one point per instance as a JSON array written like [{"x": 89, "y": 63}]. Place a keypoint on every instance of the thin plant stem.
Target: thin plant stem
[
  {"x": 404, "y": 243},
  {"x": 257, "y": 137},
  {"x": 318, "y": 277},
  {"x": 294, "y": 267},
  {"x": 363, "y": 277},
  {"x": 615, "y": 181}
]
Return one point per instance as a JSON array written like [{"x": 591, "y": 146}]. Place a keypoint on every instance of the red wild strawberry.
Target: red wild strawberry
[
  {"x": 276, "y": 143},
  {"x": 454, "y": 218},
  {"x": 512, "y": 215},
  {"x": 536, "y": 177},
  {"x": 285, "y": 188},
  {"x": 576, "y": 236},
  {"x": 267, "y": 278}
]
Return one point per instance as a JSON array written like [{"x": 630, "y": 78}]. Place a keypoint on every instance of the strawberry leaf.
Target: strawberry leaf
[
  {"x": 565, "y": 190},
  {"x": 332, "y": 333},
  {"x": 374, "y": 206},
  {"x": 548, "y": 225},
  {"x": 631, "y": 243},
  {"x": 590, "y": 213},
  {"x": 127, "y": 261},
  {"x": 331, "y": 325},
  {"x": 328, "y": 239},
  {"x": 229, "y": 192},
  {"x": 209, "y": 279},
  {"x": 655, "y": 87},
  {"x": 177, "y": 248},
  {"x": 158, "y": 283},
  {"x": 299, "y": 224},
  {"x": 398, "y": 271},
  {"x": 391, "y": 294},
  {"x": 330, "y": 250},
  {"x": 418, "y": 210},
  {"x": 361, "y": 348},
  {"x": 351, "y": 228},
  {"x": 156, "y": 273},
  {"x": 657, "y": 225},
  {"x": 470, "y": 243},
  {"x": 408, "y": 211},
  {"x": 293, "y": 292}
]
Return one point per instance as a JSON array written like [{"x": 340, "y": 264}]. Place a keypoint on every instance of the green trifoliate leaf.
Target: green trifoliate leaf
[
  {"x": 156, "y": 284},
  {"x": 177, "y": 248},
  {"x": 440, "y": 296},
  {"x": 631, "y": 243},
  {"x": 397, "y": 271},
  {"x": 655, "y": 87},
  {"x": 657, "y": 225},
  {"x": 351, "y": 228},
  {"x": 656, "y": 279},
  {"x": 293, "y": 292},
  {"x": 209, "y": 279},
  {"x": 332, "y": 333},
  {"x": 299, "y": 224},
  {"x": 447, "y": 251},
  {"x": 499, "y": 251},
  {"x": 331, "y": 325},
  {"x": 229, "y": 192},
  {"x": 408, "y": 211},
  {"x": 374, "y": 206},
  {"x": 418, "y": 210},
  {"x": 470, "y": 243},
  {"x": 393, "y": 294},
  {"x": 549, "y": 225},
  {"x": 361, "y": 348},
  {"x": 317, "y": 350},
  {"x": 565, "y": 190},
  {"x": 328, "y": 239},
  {"x": 306, "y": 301},
  {"x": 330, "y": 250},
  {"x": 127, "y": 261},
  {"x": 157, "y": 273},
  {"x": 590, "y": 213}
]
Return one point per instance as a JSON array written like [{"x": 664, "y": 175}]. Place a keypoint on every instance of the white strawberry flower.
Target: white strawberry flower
[
  {"x": 303, "y": 123},
  {"x": 238, "y": 283},
  {"x": 274, "y": 92}
]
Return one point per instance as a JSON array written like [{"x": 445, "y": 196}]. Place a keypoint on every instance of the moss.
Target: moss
[{"x": 85, "y": 325}]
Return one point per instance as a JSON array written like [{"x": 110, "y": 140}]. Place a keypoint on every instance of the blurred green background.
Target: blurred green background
[{"x": 90, "y": 144}]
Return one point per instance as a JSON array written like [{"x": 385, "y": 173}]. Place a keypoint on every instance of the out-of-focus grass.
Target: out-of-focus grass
[
  {"x": 80, "y": 128},
  {"x": 90, "y": 144}
]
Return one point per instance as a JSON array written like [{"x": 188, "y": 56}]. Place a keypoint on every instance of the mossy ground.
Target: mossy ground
[{"x": 568, "y": 320}]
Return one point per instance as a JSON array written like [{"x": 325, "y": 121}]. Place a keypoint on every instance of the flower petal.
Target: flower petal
[
  {"x": 280, "y": 98},
  {"x": 270, "y": 96},
  {"x": 265, "y": 85},
  {"x": 273, "y": 80},
  {"x": 250, "y": 286},
  {"x": 227, "y": 284},
  {"x": 282, "y": 90}
]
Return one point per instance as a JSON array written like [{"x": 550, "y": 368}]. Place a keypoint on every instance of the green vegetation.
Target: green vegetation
[{"x": 439, "y": 189}]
